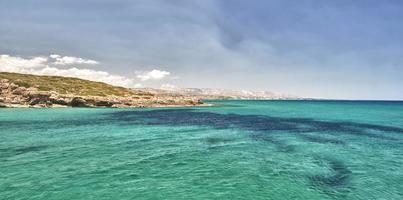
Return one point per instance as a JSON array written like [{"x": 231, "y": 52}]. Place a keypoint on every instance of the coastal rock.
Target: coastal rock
[
  {"x": 3, "y": 81},
  {"x": 20, "y": 91},
  {"x": 34, "y": 102},
  {"x": 39, "y": 95},
  {"x": 104, "y": 103},
  {"x": 32, "y": 89},
  {"x": 59, "y": 101},
  {"x": 4, "y": 86},
  {"x": 13, "y": 86},
  {"x": 39, "y": 98},
  {"x": 78, "y": 102},
  {"x": 120, "y": 106}
]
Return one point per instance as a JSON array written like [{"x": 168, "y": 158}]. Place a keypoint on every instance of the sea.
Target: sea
[{"x": 234, "y": 149}]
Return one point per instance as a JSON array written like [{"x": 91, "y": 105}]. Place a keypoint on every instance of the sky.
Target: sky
[{"x": 340, "y": 49}]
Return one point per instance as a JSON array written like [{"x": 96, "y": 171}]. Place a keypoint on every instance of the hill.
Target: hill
[
  {"x": 26, "y": 90},
  {"x": 68, "y": 85}
]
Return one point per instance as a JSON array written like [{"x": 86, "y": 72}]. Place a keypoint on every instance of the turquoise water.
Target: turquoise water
[{"x": 237, "y": 150}]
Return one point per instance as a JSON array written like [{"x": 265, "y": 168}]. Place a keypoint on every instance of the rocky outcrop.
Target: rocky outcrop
[
  {"x": 39, "y": 98},
  {"x": 104, "y": 103},
  {"x": 78, "y": 102},
  {"x": 59, "y": 101},
  {"x": 12, "y": 95}
]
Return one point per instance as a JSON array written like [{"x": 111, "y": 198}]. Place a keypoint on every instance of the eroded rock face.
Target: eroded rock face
[
  {"x": 104, "y": 103},
  {"x": 59, "y": 101},
  {"x": 78, "y": 102}
]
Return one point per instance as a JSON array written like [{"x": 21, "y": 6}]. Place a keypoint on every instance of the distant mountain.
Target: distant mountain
[{"x": 209, "y": 93}]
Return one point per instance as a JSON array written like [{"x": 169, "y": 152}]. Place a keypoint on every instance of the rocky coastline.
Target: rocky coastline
[{"x": 13, "y": 95}]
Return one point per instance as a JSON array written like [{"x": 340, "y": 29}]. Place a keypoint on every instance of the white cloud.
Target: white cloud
[
  {"x": 68, "y": 60},
  {"x": 10, "y": 63},
  {"x": 154, "y": 74},
  {"x": 55, "y": 56},
  {"x": 88, "y": 74},
  {"x": 41, "y": 66}
]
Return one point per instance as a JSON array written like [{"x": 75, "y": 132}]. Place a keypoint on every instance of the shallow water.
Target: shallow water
[{"x": 237, "y": 150}]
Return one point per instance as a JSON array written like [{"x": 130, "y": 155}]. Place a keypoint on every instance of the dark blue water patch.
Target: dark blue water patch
[
  {"x": 258, "y": 123},
  {"x": 13, "y": 151},
  {"x": 29, "y": 149},
  {"x": 218, "y": 140},
  {"x": 352, "y": 128}
]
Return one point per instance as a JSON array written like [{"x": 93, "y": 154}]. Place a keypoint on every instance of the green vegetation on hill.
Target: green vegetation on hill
[{"x": 69, "y": 86}]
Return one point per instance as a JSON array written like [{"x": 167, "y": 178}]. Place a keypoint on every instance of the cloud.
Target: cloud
[
  {"x": 9, "y": 63},
  {"x": 154, "y": 74},
  {"x": 88, "y": 74},
  {"x": 67, "y": 60},
  {"x": 54, "y": 56},
  {"x": 42, "y": 66}
]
